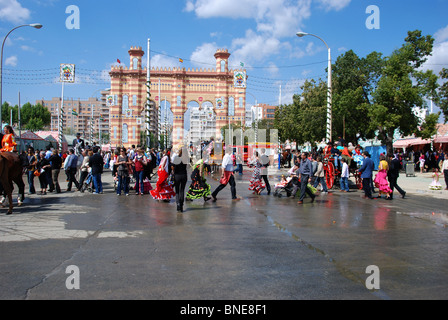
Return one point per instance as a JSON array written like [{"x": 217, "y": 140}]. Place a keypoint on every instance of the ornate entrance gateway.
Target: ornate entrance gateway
[{"x": 223, "y": 89}]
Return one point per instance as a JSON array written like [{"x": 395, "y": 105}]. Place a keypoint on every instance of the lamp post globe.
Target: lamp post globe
[{"x": 34, "y": 25}]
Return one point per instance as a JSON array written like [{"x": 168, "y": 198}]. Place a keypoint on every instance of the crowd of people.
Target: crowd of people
[{"x": 136, "y": 165}]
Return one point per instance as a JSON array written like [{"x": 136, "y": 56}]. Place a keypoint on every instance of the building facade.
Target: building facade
[
  {"x": 260, "y": 112},
  {"x": 202, "y": 126},
  {"x": 220, "y": 87},
  {"x": 89, "y": 116}
]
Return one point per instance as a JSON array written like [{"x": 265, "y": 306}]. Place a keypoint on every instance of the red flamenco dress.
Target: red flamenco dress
[
  {"x": 256, "y": 183},
  {"x": 163, "y": 190},
  {"x": 8, "y": 143}
]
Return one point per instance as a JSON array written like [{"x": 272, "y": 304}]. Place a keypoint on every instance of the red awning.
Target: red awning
[{"x": 404, "y": 143}]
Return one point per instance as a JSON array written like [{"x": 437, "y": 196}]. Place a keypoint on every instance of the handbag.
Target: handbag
[
  {"x": 170, "y": 179},
  {"x": 311, "y": 188},
  {"x": 36, "y": 173}
]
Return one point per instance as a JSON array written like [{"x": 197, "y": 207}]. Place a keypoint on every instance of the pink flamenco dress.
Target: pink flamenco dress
[
  {"x": 256, "y": 183},
  {"x": 164, "y": 189},
  {"x": 381, "y": 179}
]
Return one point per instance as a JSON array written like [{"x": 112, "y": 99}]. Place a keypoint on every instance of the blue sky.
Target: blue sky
[{"x": 261, "y": 34}]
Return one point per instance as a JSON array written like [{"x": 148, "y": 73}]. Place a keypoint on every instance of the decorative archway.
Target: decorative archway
[{"x": 224, "y": 88}]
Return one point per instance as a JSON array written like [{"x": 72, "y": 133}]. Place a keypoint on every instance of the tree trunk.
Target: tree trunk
[{"x": 390, "y": 143}]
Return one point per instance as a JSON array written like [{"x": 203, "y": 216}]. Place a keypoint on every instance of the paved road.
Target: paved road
[{"x": 258, "y": 247}]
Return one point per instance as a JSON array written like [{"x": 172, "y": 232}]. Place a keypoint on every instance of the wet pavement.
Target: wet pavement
[{"x": 259, "y": 247}]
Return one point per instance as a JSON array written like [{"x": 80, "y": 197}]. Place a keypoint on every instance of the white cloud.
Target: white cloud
[
  {"x": 441, "y": 35},
  {"x": 215, "y": 34},
  {"x": 27, "y": 48},
  {"x": 222, "y": 8},
  {"x": 334, "y": 4},
  {"x": 11, "y": 61},
  {"x": 289, "y": 89},
  {"x": 203, "y": 55},
  {"x": 438, "y": 59},
  {"x": 189, "y": 6},
  {"x": 274, "y": 20},
  {"x": 254, "y": 47},
  {"x": 12, "y": 11},
  {"x": 439, "y": 56},
  {"x": 306, "y": 72},
  {"x": 276, "y": 17},
  {"x": 162, "y": 61}
]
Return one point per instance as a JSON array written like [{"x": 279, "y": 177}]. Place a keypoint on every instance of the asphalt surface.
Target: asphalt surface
[{"x": 259, "y": 247}]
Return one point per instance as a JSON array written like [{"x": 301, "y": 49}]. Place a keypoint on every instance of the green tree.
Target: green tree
[
  {"x": 6, "y": 113},
  {"x": 235, "y": 126},
  {"x": 34, "y": 124},
  {"x": 401, "y": 87},
  {"x": 305, "y": 119},
  {"x": 429, "y": 126},
  {"x": 312, "y": 116},
  {"x": 354, "y": 79},
  {"x": 443, "y": 94},
  {"x": 34, "y": 117},
  {"x": 285, "y": 120}
]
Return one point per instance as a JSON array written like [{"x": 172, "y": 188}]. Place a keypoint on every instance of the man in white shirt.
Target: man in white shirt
[
  {"x": 226, "y": 176},
  {"x": 264, "y": 159},
  {"x": 445, "y": 171}
]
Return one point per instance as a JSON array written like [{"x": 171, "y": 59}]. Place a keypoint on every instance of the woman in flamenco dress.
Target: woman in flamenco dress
[
  {"x": 256, "y": 184},
  {"x": 199, "y": 187},
  {"x": 381, "y": 178},
  {"x": 164, "y": 189}
]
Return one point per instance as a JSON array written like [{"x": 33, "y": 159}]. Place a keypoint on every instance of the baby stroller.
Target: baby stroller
[
  {"x": 88, "y": 183},
  {"x": 287, "y": 189}
]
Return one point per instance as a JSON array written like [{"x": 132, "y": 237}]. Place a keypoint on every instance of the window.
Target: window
[
  {"x": 223, "y": 66},
  {"x": 125, "y": 133},
  {"x": 231, "y": 106},
  {"x": 134, "y": 100},
  {"x": 125, "y": 104},
  {"x": 135, "y": 63}
]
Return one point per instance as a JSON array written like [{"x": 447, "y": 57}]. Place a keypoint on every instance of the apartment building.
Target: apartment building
[{"x": 86, "y": 116}]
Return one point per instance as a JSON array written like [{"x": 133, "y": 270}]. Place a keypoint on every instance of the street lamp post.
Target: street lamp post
[
  {"x": 256, "y": 120},
  {"x": 329, "y": 113},
  {"x": 34, "y": 25}
]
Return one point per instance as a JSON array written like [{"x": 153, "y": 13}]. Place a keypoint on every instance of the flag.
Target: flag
[
  {"x": 118, "y": 60},
  {"x": 181, "y": 61},
  {"x": 74, "y": 112},
  {"x": 241, "y": 64}
]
